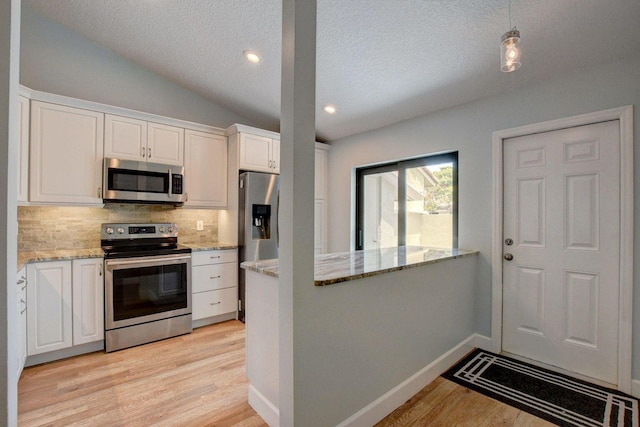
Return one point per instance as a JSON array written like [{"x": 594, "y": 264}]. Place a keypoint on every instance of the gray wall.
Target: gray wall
[
  {"x": 468, "y": 129},
  {"x": 56, "y": 60}
]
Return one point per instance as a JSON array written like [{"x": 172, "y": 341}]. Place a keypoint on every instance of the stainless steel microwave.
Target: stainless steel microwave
[{"x": 142, "y": 182}]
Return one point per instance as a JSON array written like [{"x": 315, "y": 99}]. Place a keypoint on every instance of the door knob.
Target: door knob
[{"x": 508, "y": 257}]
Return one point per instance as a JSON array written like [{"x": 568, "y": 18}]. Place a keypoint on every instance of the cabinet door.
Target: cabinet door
[
  {"x": 214, "y": 303},
  {"x": 205, "y": 166},
  {"x": 214, "y": 276},
  {"x": 65, "y": 164},
  {"x": 255, "y": 153},
  {"x": 275, "y": 155},
  {"x": 319, "y": 228},
  {"x": 22, "y": 319},
  {"x": 23, "y": 150},
  {"x": 125, "y": 138},
  {"x": 165, "y": 144},
  {"x": 321, "y": 174},
  {"x": 88, "y": 301},
  {"x": 49, "y": 320}
]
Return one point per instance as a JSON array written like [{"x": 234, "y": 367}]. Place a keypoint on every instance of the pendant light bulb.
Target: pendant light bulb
[{"x": 510, "y": 51}]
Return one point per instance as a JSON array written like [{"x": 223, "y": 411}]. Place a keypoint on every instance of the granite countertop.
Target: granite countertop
[
  {"x": 209, "y": 246},
  {"x": 57, "y": 255},
  {"x": 345, "y": 266},
  {"x": 68, "y": 254}
]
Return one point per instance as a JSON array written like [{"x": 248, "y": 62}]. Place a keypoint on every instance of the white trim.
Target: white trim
[
  {"x": 264, "y": 407},
  {"x": 635, "y": 388},
  {"x": 237, "y": 127},
  {"x": 111, "y": 109},
  {"x": 625, "y": 116},
  {"x": 387, "y": 403},
  {"x": 483, "y": 342}
]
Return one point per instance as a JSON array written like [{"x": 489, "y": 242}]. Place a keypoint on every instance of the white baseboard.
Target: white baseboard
[
  {"x": 263, "y": 406},
  {"x": 384, "y": 405},
  {"x": 483, "y": 342}
]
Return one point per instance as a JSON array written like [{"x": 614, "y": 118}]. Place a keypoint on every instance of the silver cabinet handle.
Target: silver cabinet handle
[
  {"x": 99, "y": 269},
  {"x": 142, "y": 151},
  {"x": 149, "y": 152},
  {"x": 214, "y": 303},
  {"x": 214, "y": 277},
  {"x": 215, "y": 257}
]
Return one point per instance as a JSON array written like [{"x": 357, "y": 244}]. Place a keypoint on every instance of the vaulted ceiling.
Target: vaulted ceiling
[{"x": 378, "y": 61}]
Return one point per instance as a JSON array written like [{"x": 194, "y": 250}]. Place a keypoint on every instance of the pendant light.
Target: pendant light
[{"x": 510, "y": 48}]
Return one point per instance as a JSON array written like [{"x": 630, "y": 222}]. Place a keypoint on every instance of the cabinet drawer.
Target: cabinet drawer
[
  {"x": 214, "y": 276},
  {"x": 213, "y": 257},
  {"x": 214, "y": 303}
]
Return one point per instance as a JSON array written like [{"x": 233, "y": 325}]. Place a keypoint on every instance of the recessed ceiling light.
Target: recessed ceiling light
[
  {"x": 251, "y": 56},
  {"x": 329, "y": 108}
]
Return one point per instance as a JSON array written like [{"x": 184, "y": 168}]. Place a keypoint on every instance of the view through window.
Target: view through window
[{"x": 410, "y": 202}]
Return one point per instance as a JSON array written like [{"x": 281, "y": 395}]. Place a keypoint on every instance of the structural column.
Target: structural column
[
  {"x": 297, "y": 133},
  {"x": 9, "y": 62}
]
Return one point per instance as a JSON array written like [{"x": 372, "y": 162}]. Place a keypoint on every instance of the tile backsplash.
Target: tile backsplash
[{"x": 57, "y": 227}]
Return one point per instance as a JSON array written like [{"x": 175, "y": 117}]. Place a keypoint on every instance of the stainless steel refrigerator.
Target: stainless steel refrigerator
[{"x": 257, "y": 223}]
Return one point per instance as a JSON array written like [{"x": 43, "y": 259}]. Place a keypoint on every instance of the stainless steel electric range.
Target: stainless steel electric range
[{"x": 147, "y": 284}]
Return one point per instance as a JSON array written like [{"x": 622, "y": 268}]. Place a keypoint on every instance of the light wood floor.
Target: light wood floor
[
  {"x": 445, "y": 403},
  {"x": 199, "y": 380},
  {"x": 192, "y": 380}
]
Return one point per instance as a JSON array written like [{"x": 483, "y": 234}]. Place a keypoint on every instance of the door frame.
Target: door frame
[{"x": 625, "y": 332}]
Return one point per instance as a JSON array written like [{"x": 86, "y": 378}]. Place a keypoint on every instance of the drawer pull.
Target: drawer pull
[
  {"x": 214, "y": 303},
  {"x": 214, "y": 277},
  {"x": 216, "y": 257}
]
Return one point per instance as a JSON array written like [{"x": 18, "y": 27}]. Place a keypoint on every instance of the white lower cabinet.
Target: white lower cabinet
[
  {"x": 64, "y": 304},
  {"x": 22, "y": 319},
  {"x": 214, "y": 283},
  {"x": 88, "y": 300}
]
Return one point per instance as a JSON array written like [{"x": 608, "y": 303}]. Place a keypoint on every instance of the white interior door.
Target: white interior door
[{"x": 562, "y": 213}]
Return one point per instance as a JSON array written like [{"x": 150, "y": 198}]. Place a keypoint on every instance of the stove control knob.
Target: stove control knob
[
  {"x": 120, "y": 230},
  {"x": 170, "y": 229},
  {"x": 109, "y": 230},
  {"x": 162, "y": 229}
]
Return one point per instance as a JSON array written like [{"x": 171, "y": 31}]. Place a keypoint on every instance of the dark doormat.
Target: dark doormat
[{"x": 557, "y": 398}]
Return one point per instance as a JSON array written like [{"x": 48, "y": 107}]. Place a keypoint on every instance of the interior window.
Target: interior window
[{"x": 408, "y": 202}]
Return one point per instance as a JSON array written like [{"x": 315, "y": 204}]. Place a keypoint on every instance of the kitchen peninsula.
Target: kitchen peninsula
[{"x": 381, "y": 303}]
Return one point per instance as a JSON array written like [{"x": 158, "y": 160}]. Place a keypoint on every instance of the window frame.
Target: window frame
[{"x": 401, "y": 166}]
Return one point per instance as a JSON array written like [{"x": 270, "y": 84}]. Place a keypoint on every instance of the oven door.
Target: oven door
[{"x": 144, "y": 289}]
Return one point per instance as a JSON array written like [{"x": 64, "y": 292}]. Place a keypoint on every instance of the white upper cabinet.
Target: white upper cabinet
[
  {"x": 132, "y": 139},
  {"x": 321, "y": 174},
  {"x": 205, "y": 164},
  {"x": 259, "y": 153},
  {"x": 23, "y": 149},
  {"x": 65, "y": 162},
  {"x": 125, "y": 138},
  {"x": 165, "y": 144}
]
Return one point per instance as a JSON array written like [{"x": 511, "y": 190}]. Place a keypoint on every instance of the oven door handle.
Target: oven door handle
[{"x": 154, "y": 259}]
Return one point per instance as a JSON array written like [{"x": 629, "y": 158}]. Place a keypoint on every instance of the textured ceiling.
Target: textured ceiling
[{"x": 378, "y": 61}]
